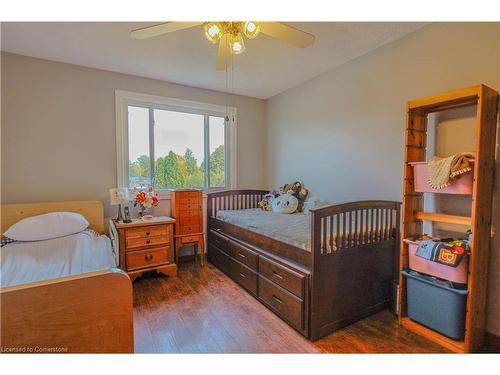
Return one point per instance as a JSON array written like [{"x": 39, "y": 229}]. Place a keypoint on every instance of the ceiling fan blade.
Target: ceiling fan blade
[
  {"x": 162, "y": 28},
  {"x": 287, "y": 33},
  {"x": 223, "y": 54}
]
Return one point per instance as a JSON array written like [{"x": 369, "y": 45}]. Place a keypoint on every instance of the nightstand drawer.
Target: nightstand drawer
[
  {"x": 189, "y": 239},
  {"x": 146, "y": 258},
  {"x": 149, "y": 231},
  {"x": 134, "y": 243}
]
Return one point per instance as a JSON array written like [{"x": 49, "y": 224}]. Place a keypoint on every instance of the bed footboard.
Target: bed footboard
[
  {"x": 88, "y": 313},
  {"x": 355, "y": 253}
]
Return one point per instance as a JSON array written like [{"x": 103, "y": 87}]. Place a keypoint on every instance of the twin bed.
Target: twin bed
[
  {"x": 64, "y": 294},
  {"x": 318, "y": 271}
]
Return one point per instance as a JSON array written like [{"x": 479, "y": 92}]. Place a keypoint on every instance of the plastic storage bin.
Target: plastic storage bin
[
  {"x": 456, "y": 274},
  {"x": 435, "y": 306},
  {"x": 461, "y": 184}
]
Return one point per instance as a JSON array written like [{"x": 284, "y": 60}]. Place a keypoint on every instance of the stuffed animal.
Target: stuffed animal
[
  {"x": 298, "y": 190},
  {"x": 265, "y": 204},
  {"x": 295, "y": 189},
  {"x": 285, "y": 204}
]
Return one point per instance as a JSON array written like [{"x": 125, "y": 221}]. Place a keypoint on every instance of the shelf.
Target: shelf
[
  {"x": 413, "y": 214},
  {"x": 453, "y": 345},
  {"x": 442, "y": 218}
]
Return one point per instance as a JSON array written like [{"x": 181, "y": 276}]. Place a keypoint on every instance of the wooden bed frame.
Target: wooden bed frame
[
  {"x": 87, "y": 313},
  {"x": 345, "y": 277}
]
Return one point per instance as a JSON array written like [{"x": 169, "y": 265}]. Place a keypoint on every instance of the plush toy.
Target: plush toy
[
  {"x": 295, "y": 189},
  {"x": 265, "y": 204},
  {"x": 298, "y": 190},
  {"x": 285, "y": 204}
]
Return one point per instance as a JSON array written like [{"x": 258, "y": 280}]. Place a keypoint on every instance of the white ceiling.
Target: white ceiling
[{"x": 266, "y": 68}]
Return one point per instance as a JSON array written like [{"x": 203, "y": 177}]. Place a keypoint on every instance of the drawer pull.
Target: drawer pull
[
  {"x": 277, "y": 275},
  {"x": 148, "y": 241},
  {"x": 242, "y": 255},
  {"x": 148, "y": 257},
  {"x": 243, "y": 275},
  {"x": 148, "y": 233},
  {"x": 277, "y": 299}
]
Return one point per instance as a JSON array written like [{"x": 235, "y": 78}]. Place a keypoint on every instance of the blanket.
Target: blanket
[
  {"x": 441, "y": 170},
  {"x": 447, "y": 253}
]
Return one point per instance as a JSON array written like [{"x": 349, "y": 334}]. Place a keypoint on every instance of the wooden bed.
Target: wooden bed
[
  {"x": 87, "y": 313},
  {"x": 344, "y": 277}
]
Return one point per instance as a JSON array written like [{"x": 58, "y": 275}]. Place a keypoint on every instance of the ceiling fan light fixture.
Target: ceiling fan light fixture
[
  {"x": 213, "y": 31},
  {"x": 251, "y": 29},
  {"x": 237, "y": 44}
]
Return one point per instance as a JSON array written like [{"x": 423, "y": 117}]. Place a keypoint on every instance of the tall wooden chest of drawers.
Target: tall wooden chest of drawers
[{"x": 187, "y": 210}]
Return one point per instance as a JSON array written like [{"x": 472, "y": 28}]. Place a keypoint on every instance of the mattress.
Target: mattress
[
  {"x": 26, "y": 262},
  {"x": 293, "y": 229}
]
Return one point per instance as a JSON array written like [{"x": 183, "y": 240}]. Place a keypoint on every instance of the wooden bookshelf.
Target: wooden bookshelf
[{"x": 413, "y": 214}]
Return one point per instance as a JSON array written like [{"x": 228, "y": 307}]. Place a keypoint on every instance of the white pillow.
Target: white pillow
[
  {"x": 285, "y": 204},
  {"x": 47, "y": 226}
]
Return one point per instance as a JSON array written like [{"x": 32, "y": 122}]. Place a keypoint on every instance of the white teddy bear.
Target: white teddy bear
[{"x": 285, "y": 204}]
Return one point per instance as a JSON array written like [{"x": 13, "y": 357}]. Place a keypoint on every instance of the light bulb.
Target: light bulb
[
  {"x": 237, "y": 44},
  {"x": 213, "y": 31},
  {"x": 251, "y": 29}
]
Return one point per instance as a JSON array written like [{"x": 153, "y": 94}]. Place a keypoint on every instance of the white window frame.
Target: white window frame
[{"x": 123, "y": 99}]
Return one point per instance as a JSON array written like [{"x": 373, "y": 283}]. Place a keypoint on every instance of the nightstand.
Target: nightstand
[
  {"x": 147, "y": 245},
  {"x": 187, "y": 209}
]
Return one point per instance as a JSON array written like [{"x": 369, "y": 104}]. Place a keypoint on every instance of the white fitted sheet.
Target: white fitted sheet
[{"x": 25, "y": 262}]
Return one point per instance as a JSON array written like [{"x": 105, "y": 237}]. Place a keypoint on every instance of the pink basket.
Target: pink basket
[
  {"x": 457, "y": 275},
  {"x": 459, "y": 185}
]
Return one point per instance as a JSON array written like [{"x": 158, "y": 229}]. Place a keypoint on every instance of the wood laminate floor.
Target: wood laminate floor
[{"x": 203, "y": 311}]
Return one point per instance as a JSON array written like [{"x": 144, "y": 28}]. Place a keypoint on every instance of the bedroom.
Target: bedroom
[{"x": 88, "y": 109}]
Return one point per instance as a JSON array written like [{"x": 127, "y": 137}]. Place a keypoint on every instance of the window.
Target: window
[{"x": 168, "y": 143}]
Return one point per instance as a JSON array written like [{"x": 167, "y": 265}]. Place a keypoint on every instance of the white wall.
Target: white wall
[
  {"x": 342, "y": 132},
  {"x": 58, "y": 129}
]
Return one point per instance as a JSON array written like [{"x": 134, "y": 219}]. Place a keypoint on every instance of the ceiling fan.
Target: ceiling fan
[{"x": 229, "y": 35}]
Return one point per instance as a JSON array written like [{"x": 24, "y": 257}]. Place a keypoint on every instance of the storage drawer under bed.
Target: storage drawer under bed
[
  {"x": 243, "y": 276},
  {"x": 219, "y": 258},
  {"x": 284, "y": 277},
  {"x": 242, "y": 254},
  {"x": 217, "y": 240},
  {"x": 282, "y": 302}
]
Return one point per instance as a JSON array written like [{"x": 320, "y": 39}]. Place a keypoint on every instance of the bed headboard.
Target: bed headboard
[{"x": 92, "y": 210}]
